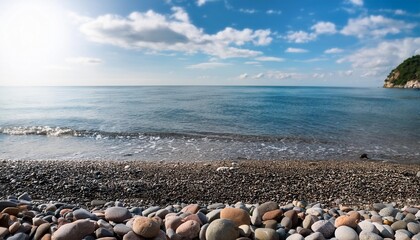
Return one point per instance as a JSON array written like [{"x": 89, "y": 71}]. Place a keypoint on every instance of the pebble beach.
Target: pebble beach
[{"x": 209, "y": 200}]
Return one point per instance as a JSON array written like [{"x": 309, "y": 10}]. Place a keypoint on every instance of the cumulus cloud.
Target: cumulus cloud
[
  {"x": 318, "y": 75},
  {"x": 201, "y": 2},
  {"x": 152, "y": 31},
  {"x": 269, "y": 59},
  {"x": 357, "y": 2},
  {"x": 300, "y": 36},
  {"x": 379, "y": 60},
  {"x": 324, "y": 28},
  {"x": 208, "y": 65},
  {"x": 258, "y": 76},
  {"x": 296, "y": 50},
  {"x": 374, "y": 26},
  {"x": 318, "y": 28},
  {"x": 333, "y": 50},
  {"x": 84, "y": 60}
]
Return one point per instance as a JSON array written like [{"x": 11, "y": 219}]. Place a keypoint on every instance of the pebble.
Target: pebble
[
  {"x": 237, "y": 215},
  {"x": 189, "y": 229},
  {"x": 239, "y": 221},
  {"x": 364, "y": 235},
  {"x": 117, "y": 214},
  {"x": 414, "y": 228},
  {"x": 222, "y": 229},
  {"x": 326, "y": 228},
  {"x": 145, "y": 227},
  {"x": 266, "y": 234},
  {"x": 75, "y": 230},
  {"x": 346, "y": 233}
]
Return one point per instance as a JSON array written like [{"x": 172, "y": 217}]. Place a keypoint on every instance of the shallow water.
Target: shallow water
[{"x": 209, "y": 123}]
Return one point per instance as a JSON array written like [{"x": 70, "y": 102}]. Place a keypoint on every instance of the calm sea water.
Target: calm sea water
[{"x": 208, "y": 123}]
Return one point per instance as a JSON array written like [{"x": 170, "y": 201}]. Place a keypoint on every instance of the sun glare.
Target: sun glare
[{"x": 32, "y": 36}]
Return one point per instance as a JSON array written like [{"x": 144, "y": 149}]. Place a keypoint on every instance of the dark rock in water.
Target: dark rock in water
[{"x": 364, "y": 156}]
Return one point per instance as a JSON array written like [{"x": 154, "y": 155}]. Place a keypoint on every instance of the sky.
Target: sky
[{"x": 205, "y": 42}]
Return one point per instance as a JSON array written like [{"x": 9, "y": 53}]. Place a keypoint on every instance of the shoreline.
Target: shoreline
[{"x": 355, "y": 183}]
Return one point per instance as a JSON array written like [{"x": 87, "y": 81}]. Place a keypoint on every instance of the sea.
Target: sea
[{"x": 194, "y": 123}]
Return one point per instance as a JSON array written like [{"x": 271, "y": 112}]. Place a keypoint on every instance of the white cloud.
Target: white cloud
[
  {"x": 273, "y": 12},
  {"x": 208, "y": 65},
  {"x": 152, "y": 31},
  {"x": 252, "y": 63},
  {"x": 324, "y": 28},
  {"x": 258, "y": 76},
  {"x": 84, "y": 60},
  {"x": 300, "y": 36},
  {"x": 333, "y": 50},
  {"x": 248, "y": 11},
  {"x": 357, "y": 2},
  {"x": 318, "y": 29},
  {"x": 243, "y": 76},
  {"x": 269, "y": 59},
  {"x": 374, "y": 26},
  {"x": 296, "y": 50},
  {"x": 279, "y": 75},
  {"x": 400, "y": 12},
  {"x": 318, "y": 75},
  {"x": 201, "y": 2},
  {"x": 380, "y": 60}
]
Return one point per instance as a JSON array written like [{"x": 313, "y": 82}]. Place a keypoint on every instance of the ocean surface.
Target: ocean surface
[{"x": 209, "y": 123}]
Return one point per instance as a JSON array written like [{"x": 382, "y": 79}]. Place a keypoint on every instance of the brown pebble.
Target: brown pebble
[
  {"x": 270, "y": 224},
  {"x": 14, "y": 227},
  {"x": 274, "y": 214},
  {"x": 11, "y": 211},
  {"x": 42, "y": 230},
  {"x": 46, "y": 237},
  {"x": 145, "y": 227},
  {"x": 192, "y": 208},
  {"x": 237, "y": 215}
]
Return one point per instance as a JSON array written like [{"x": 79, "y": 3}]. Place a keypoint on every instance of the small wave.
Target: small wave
[{"x": 192, "y": 136}]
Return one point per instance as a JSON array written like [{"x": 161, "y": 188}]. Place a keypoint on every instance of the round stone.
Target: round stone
[
  {"x": 315, "y": 236},
  {"x": 222, "y": 229},
  {"x": 266, "y": 234},
  {"x": 346, "y": 221},
  {"x": 295, "y": 236},
  {"x": 286, "y": 222},
  {"x": 202, "y": 234},
  {"x": 83, "y": 214},
  {"x": 273, "y": 215},
  {"x": 213, "y": 215},
  {"x": 399, "y": 225},
  {"x": 14, "y": 227},
  {"x": 42, "y": 230},
  {"x": 192, "y": 208},
  {"x": 121, "y": 229},
  {"x": 173, "y": 222},
  {"x": 292, "y": 214},
  {"x": 237, "y": 215},
  {"x": 308, "y": 221},
  {"x": 270, "y": 224},
  {"x": 364, "y": 235},
  {"x": 103, "y": 232},
  {"x": 189, "y": 229},
  {"x": 388, "y": 211},
  {"x": 367, "y": 227},
  {"x": 326, "y": 228},
  {"x": 145, "y": 227},
  {"x": 117, "y": 214},
  {"x": 384, "y": 230},
  {"x": 75, "y": 230},
  {"x": 414, "y": 228},
  {"x": 346, "y": 233}
]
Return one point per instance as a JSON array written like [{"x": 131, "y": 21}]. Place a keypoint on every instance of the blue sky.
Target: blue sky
[{"x": 205, "y": 42}]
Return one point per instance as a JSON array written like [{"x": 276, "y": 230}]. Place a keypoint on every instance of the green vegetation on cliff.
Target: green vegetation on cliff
[{"x": 408, "y": 70}]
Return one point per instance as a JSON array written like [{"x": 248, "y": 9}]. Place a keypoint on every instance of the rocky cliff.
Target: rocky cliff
[{"x": 406, "y": 75}]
